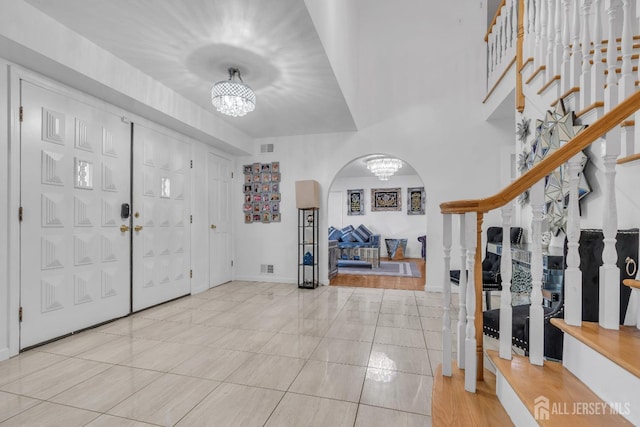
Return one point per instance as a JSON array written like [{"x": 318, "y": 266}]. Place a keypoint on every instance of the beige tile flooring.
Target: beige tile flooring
[{"x": 241, "y": 354}]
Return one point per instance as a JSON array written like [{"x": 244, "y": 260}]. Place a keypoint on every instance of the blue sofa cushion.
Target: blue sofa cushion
[
  {"x": 335, "y": 234},
  {"x": 348, "y": 237},
  {"x": 347, "y": 229},
  {"x": 362, "y": 234}
]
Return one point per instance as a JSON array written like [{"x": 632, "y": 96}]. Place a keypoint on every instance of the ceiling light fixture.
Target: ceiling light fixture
[
  {"x": 384, "y": 168},
  {"x": 231, "y": 97}
]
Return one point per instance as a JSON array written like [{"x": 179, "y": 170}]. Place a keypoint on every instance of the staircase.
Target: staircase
[{"x": 582, "y": 55}]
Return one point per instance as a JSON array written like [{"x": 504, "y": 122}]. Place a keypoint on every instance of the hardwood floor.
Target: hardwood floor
[{"x": 385, "y": 282}]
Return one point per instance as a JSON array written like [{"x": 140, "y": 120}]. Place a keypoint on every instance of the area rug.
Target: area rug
[{"x": 387, "y": 268}]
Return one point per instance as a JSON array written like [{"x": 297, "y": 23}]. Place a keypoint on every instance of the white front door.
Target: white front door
[
  {"x": 160, "y": 218},
  {"x": 74, "y": 259},
  {"x": 219, "y": 177}
]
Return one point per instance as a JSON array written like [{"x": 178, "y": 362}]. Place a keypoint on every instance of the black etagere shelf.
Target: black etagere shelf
[{"x": 308, "y": 251}]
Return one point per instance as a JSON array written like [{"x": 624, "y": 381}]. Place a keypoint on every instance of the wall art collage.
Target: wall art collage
[
  {"x": 262, "y": 192},
  {"x": 387, "y": 199}
]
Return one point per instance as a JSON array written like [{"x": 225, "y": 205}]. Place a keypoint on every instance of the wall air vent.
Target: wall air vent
[
  {"x": 266, "y": 148},
  {"x": 266, "y": 268}
]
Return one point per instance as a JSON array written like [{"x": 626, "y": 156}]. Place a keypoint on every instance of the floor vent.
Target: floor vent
[
  {"x": 266, "y": 148},
  {"x": 266, "y": 268}
]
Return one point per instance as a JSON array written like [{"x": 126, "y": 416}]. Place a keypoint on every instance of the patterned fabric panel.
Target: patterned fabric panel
[{"x": 362, "y": 234}]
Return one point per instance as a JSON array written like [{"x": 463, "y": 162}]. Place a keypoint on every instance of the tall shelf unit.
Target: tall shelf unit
[{"x": 308, "y": 250}]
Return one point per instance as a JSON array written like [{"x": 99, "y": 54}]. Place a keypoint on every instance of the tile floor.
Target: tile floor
[{"x": 241, "y": 354}]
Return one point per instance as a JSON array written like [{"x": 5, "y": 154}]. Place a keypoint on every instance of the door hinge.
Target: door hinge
[
  {"x": 191, "y": 274},
  {"x": 21, "y": 114},
  {"x": 20, "y": 214},
  {"x": 231, "y": 175},
  {"x": 231, "y": 263},
  {"x": 20, "y": 314},
  {"x": 191, "y": 164},
  {"x": 190, "y": 219}
]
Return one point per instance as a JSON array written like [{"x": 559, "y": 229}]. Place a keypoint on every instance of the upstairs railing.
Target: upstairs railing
[{"x": 563, "y": 39}]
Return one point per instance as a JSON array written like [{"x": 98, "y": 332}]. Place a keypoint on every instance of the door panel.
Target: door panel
[
  {"x": 219, "y": 177},
  {"x": 75, "y": 161},
  {"x": 160, "y": 218}
]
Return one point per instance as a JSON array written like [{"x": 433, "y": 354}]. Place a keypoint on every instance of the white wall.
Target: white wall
[{"x": 389, "y": 224}]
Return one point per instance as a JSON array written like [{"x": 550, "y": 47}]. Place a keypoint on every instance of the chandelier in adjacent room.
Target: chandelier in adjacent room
[
  {"x": 231, "y": 97},
  {"x": 384, "y": 168}
]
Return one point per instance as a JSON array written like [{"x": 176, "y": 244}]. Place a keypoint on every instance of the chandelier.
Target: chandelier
[
  {"x": 384, "y": 168},
  {"x": 231, "y": 97}
]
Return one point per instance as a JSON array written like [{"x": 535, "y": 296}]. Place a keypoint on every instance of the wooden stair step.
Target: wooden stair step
[
  {"x": 451, "y": 405},
  {"x": 630, "y": 282},
  {"x": 620, "y": 346},
  {"x": 563, "y": 389}
]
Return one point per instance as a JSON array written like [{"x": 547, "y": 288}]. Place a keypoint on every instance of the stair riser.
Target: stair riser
[
  {"x": 600, "y": 373},
  {"x": 519, "y": 413}
]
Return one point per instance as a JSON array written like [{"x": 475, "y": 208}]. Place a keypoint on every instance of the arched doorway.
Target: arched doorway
[{"x": 393, "y": 211}]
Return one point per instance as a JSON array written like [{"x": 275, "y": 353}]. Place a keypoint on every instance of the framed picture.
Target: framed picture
[
  {"x": 275, "y": 217},
  {"x": 275, "y": 197},
  {"x": 266, "y": 177},
  {"x": 256, "y": 208},
  {"x": 247, "y": 169},
  {"x": 415, "y": 201},
  {"x": 248, "y": 188},
  {"x": 275, "y": 187},
  {"x": 266, "y": 167},
  {"x": 266, "y": 188},
  {"x": 248, "y": 218},
  {"x": 257, "y": 198},
  {"x": 256, "y": 178},
  {"x": 266, "y": 216},
  {"x": 355, "y": 202},
  {"x": 275, "y": 207},
  {"x": 386, "y": 199},
  {"x": 261, "y": 189},
  {"x": 275, "y": 166},
  {"x": 257, "y": 168},
  {"x": 247, "y": 179},
  {"x": 247, "y": 207},
  {"x": 275, "y": 177},
  {"x": 256, "y": 217}
]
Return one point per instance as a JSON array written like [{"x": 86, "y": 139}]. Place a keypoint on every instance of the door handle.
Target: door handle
[
  {"x": 124, "y": 228},
  {"x": 213, "y": 226},
  {"x": 138, "y": 228}
]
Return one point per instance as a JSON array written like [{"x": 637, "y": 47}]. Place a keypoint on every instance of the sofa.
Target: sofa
[{"x": 357, "y": 247}]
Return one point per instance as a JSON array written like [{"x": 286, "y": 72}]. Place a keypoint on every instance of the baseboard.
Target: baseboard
[
  {"x": 198, "y": 290},
  {"x": 268, "y": 279}
]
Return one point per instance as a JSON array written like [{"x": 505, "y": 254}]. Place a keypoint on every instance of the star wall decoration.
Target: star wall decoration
[
  {"x": 555, "y": 130},
  {"x": 523, "y": 130}
]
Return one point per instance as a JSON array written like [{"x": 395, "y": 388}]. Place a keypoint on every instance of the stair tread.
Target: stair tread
[
  {"x": 560, "y": 386},
  {"x": 620, "y": 346},
  {"x": 451, "y": 405},
  {"x": 632, "y": 283}
]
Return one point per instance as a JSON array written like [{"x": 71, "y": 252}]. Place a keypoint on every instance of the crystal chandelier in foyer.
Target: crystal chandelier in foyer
[
  {"x": 384, "y": 168},
  {"x": 231, "y": 97}
]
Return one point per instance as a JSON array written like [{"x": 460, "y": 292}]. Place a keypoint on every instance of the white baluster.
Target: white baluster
[
  {"x": 462, "y": 314},
  {"x": 557, "y": 39},
  {"x": 530, "y": 37},
  {"x": 542, "y": 46},
  {"x": 573, "y": 274},
  {"x": 626, "y": 84},
  {"x": 506, "y": 24},
  {"x": 576, "y": 53},
  {"x": 609, "y": 292},
  {"x": 550, "y": 39},
  {"x": 585, "y": 76},
  {"x": 446, "y": 319},
  {"x": 536, "y": 313},
  {"x": 506, "y": 266},
  {"x": 470, "y": 363},
  {"x": 598, "y": 67},
  {"x": 566, "y": 48},
  {"x": 611, "y": 91},
  {"x": 515, "y": 10}
]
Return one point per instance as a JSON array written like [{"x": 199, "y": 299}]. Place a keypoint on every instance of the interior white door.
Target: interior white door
[
  {"x": 219, "y": 177},
  {"x": 160, "y": 218},
  {"x": 74, "y": 258}
]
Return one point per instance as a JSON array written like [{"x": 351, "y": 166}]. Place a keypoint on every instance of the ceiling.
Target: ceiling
[{"x": 188, "y": 46}]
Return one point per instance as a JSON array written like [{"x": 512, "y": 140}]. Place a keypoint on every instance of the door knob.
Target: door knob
[
  {"x": 137, "y": 228},
  {"x": 124, "y": 228},
  {"x": 213, "y": 226}
]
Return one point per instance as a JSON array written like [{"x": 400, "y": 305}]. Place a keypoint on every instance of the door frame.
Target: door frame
[
  {"x": 16, "y": 74},
  {"x": 207, "y": 213}
]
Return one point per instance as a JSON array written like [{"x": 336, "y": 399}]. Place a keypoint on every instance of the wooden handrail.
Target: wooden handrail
[
  {"x": 495, "y": 18},
  {"x": 585, "y": 138}
]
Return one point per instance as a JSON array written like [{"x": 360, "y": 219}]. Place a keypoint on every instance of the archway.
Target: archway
[{"x": 394, "y": 211}]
